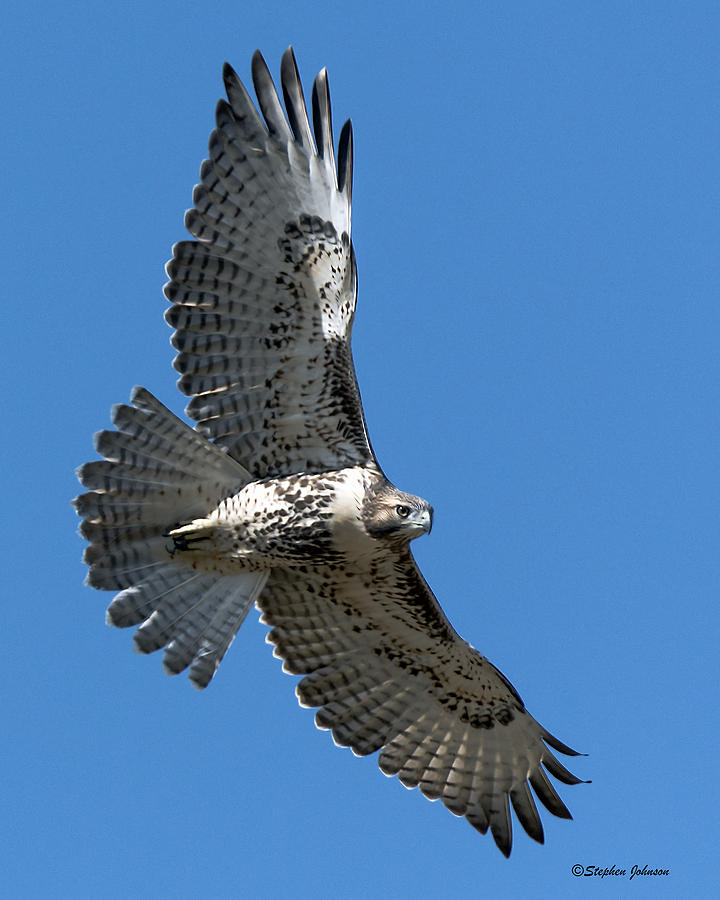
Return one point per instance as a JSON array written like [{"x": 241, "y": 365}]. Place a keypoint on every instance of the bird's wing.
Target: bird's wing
[
  {"x": 389, "y": 673},
  {"x": 263, "y": 300}
]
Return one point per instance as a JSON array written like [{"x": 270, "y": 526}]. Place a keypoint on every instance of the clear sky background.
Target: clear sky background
[{"x": 537, "y": 222}]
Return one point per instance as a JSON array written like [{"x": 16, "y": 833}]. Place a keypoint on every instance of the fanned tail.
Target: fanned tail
[{"x": 158, "y": 472}]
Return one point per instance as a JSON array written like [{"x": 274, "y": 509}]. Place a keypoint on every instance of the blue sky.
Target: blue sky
[{"x": 537, "y": 230}]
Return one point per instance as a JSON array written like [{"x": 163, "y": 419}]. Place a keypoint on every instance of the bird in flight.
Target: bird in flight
[{"x": 275, "y": 498}]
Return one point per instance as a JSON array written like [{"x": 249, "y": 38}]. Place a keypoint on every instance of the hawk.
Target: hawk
[{"x": 276, "y": 499}]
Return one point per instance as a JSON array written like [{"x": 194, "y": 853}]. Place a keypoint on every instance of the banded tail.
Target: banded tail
[{"x": 157, "y": 473}]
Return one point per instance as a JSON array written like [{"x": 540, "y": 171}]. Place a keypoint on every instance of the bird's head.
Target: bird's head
[{"x": 390, "y": 514}]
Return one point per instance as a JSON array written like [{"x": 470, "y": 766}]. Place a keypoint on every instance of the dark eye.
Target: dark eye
[{"x": 403, "y": 511}]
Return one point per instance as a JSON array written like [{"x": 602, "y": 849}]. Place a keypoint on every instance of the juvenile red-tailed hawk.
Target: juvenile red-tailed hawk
[{"x": 276, "y": 497}]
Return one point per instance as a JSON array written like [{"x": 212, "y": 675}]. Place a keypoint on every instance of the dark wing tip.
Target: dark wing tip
[
  {"x": 229, "y": 74},
  {"x": 267, "y": 97},
  {"x": 502, "y": 842},
  {"x": 258, "y": 60},
  {"x": 548, "y": 795},
  {"x": 345, "y": 160},
  {"x": 295, "y": 100},
  {"x": 526, "y": 811},
  {"x": 558, "y": 770},
  {"x": 558, "y": 745},
  {"x": 322, "y": 118}
]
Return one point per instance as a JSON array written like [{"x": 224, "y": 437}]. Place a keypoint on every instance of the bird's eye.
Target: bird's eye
[{"x": 403, "y": 511}]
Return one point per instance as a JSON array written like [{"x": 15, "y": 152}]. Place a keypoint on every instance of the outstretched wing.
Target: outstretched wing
[
  {"x": 390, "y": 674},
  {"x": 263, "y": 301}
]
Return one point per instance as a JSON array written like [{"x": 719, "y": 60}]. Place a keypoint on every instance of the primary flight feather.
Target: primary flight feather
[{"x": 276, "y": 498}]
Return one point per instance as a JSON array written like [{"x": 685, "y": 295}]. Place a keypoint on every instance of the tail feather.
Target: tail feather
[
  {"x": 117, "y": 510},
  {"x": 136, "y": 603},
  {"x": 105, "y": 538},
  {"x": 169, "y": 438},
  {"x": 218, "y": 637},
  {"x": 209, "y": 628},
  {"x": 106, "y": 475},
  {"x": 174, "y": 610},
  {"x": 135, "y": 449},
  {"x": 118, "y": 564},
  {"x": 157, "y": 473}
]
